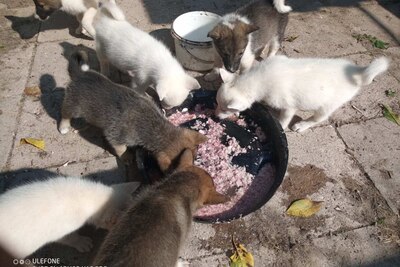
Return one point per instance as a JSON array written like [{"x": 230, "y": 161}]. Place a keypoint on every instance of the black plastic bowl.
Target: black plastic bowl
[{"x": 277, "y": 150}]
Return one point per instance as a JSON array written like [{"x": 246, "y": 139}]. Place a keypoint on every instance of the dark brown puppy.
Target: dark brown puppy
[
  {"x": 126, "y": 117},
  {"x": 154, "y": 228}
]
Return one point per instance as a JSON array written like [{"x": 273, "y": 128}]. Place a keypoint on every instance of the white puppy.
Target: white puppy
[
  {"x": 38, "y": 213},
  {"x": 146, "y": 59},
  {"x": 288, "y": 84}
]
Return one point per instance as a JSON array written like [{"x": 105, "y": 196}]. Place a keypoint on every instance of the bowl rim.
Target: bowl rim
[{"x": 280, "y": 157}]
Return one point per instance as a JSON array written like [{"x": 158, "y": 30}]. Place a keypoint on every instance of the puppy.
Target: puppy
[
  {"x": 41, "y": 212},
  {"x": 126, "y": 117},
  {"x": 241, "y": 37},
  {"x": 146, "y": 59},
  {"x": 84, "y": 10},
  {"x": 309, "y": 84},
  {"x": 154, "y": 228}
]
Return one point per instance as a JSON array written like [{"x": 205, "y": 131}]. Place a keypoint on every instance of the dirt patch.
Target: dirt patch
[
  {"x": 302, "y": 181},
  {"x": 372, "y": 205},
  {"x": 223, "y": 235}
]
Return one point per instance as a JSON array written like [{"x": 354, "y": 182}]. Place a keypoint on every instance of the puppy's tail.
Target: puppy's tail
[
  {"x": 78, "y": 63},
  {"x": 281, "y": 7},
  {"x": 376, "y": 67},
  {"x": 110, "y": 9}
]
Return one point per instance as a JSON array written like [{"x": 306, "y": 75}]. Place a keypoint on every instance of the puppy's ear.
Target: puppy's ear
[
  {"x": 193, "y": 84},
  {"x": 163, "y": 161},
  {"x": 249, "y": 28},
  {"x": 215, "y": 33},
  {"x": 127, "y": 188},
  {"x": 238, "y": 105},
  {"x": 227, "y": 76},
  {"x": 186, "y": 159}
]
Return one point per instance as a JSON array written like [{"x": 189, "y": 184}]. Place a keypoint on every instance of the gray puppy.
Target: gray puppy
[
  {"x": 126, "y": 117},
  {"x": 154, "y": 228},
  {"x": 241, "y": 37}
]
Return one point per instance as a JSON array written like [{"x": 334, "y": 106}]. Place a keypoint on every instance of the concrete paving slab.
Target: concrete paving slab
[
  {"x": 366, "y": 105},
  {"x": 49, "y": 69},
  {"x": 9, "y": 109},
  {"x": 108, "y": 170},
  {"x": 315, "y": 30},
  {"x": 35, "y": 122},
  {"x": 59, "y": 26},
  {"x": 15, "y": 70},
  {"x": 394, "y": 54},
  {"x": 17, "y": 27},
  {"x": 375, "y": 145},
  {"x": 377, "y": 21}
]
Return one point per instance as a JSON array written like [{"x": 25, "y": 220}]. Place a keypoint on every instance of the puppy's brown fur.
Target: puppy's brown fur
[
  {"x": 242, "y": 36},
  {"x": 154, "y": 228}
]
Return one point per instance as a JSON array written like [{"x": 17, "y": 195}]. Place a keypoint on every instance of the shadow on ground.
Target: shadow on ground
[{"x": 28, "y": 27}]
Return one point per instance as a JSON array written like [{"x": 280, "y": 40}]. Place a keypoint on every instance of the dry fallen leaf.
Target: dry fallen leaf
[
  {"x": 241, "y": 257},
  {"x": 39, "y": 143},
  {"x": 390, "y": 115},
  {"x": 304, "y": 208},
  {"x": 32, "y": 91}
]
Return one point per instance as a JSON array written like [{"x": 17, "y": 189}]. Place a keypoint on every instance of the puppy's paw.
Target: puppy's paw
[
  {"x": 285, "y": 9},
  {"x": 82, "y": 244},
  {"x": 300, "y": 126},
  {"x": 63, "y": 130},
  {"x": 182, "y": 263}
]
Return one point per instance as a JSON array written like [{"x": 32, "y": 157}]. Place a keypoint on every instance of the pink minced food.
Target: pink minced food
[{"x": 216, "y": 158}]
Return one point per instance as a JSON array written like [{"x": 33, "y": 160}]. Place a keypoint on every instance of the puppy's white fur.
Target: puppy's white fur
[
  {"x": 310, "y": 84},
  {"x": 38, "y": 213},
  {"x": 281, "y": 7},
  {"x": 146, "y": 59}
]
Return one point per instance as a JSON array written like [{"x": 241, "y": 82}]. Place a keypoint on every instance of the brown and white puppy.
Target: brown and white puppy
[
  {"x": 154, "y": 228},
  {"x": 127, "y": 117},
  {"x": 241, "y": 37},
  {"x": 84, "y": 10}
]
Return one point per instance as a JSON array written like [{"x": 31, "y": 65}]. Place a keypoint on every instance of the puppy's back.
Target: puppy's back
[
  {"x": 152, "y": 230},
  {"x": 30, "y": 215}
]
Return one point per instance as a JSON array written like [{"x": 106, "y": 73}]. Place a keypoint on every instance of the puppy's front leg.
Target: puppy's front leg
[
  {"x": 273, "y": 47},
  {"x": 285, "y": 116},
  {"x": 247, "y": 60},
  {"x": 64, "y": 126},
  {"x": 87, "y": 21},
  {"x": 319, "y": 116},
  {"x": 104, "y": 65},
  {"x": 79, "y": 19},
  {"x": 214, "y": 73}
]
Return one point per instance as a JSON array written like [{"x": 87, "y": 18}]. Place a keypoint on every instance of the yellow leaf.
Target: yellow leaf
[
  {"x": 241, "y": 257},
  {"x": 39, "y": 143},
  {"x": 304, "y": 208},
  {"x": 33, "y": 91}
]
